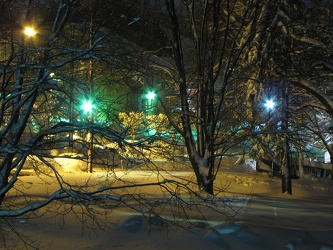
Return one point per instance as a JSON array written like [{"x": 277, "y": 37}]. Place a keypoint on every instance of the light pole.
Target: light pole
[
  {"x": 88, "y": 107},
  {"x": 330, "y": 151},
  {"x": 269, "y": 105},
  {"x": 150, "y": 96}
]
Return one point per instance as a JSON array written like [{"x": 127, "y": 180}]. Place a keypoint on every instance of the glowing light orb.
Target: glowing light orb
[
  {"x": 87, "y": 106},
  {"x": 270, "y": 104},
  {"x": 29, "y": 31},
  {"x": 151, "y": 95}
]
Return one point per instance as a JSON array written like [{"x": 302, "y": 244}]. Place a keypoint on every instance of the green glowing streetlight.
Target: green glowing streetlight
[
  {"x": 87, "y": 106},
  {"x": 150, "y": 96}
]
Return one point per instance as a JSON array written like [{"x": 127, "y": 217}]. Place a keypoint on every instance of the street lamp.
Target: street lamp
[
  {"x": 270, "y": 104},
  {"x": 150, "y": 96},
  {"x": 29, "y": 31},
  {"x": 87, "y": 107}
]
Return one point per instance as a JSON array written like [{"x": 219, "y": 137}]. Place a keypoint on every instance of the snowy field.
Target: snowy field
[{"x": 264, "y": 218}]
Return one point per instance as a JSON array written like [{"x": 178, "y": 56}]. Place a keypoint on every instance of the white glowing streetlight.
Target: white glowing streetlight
[{"x": 270, "y": 104}]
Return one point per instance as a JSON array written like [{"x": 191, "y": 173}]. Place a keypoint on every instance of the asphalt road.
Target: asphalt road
[
  {"x": 288, "y": 223},
  {"x": 315, "y": 213}
]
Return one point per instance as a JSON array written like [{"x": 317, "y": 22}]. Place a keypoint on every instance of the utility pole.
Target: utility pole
[{"x": 90, "y": 138}]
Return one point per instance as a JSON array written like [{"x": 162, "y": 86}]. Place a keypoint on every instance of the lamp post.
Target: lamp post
[
  {"x": 150, "y": 96},
  {"x": 270, "y": 105},
  {"x": 88, "y": 107},
  {"x": 330, "y": 151}
]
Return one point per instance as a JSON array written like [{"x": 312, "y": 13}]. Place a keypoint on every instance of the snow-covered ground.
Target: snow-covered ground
[{"x": 265, "y": 218}]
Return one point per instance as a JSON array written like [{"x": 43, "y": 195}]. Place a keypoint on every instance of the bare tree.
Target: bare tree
[{"x": 206, "y": 41}]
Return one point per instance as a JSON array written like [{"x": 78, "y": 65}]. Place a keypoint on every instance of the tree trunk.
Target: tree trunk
[
  {"x": 6, "y": 166},
  {"x": 203, "y": 170},
  {"x": 207, "y": 187},
  {"x": 285, "y": 163},
  {"x": 300, "y": 164},
  {"x": 205, "y": 182},
  {"x": 285, "y": 167}
]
